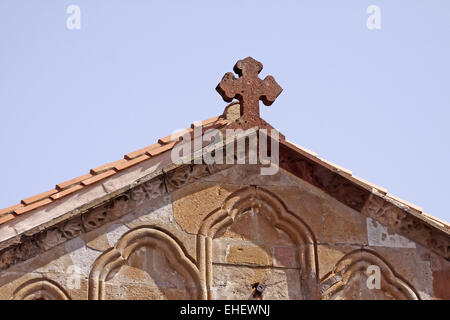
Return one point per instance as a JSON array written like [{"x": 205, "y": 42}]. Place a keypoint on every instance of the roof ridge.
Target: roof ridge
[{"x": 165, "y": 144}]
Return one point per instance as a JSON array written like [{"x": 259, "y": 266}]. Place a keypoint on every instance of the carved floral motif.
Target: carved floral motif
[
  {"x": 72, "y": 228},
  {"x": 154, "y": 189},
  {"x": 188, "y": 174},
  {"x": 138, "y": 195},
  {"x": 95, "y": 218},
  {"x": 51, "y": 238},
  {"x": 120, "y": 206}
]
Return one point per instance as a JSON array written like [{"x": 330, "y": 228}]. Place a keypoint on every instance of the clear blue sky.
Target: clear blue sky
[{"x": 373, "y": 101}]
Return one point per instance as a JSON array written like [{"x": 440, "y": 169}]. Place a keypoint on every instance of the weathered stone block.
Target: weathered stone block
[
  {"x": 192, "y": 203},
  {"x": 329, "y": 255},
  {"x": 285, "y": 257},
  {"x": 236, "y": 282},
  {"x": 412, "y": 266},
  {"x": 248, "y": 255},
  {"x": 441, "y": 275},
  {"x": 304, "y": 204},
  {"x": 342, "y": 225},
  {"x": 250, "y": 174}
]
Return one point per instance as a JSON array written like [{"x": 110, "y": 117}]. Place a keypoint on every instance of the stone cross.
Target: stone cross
[{"x": 249, "y": 88}]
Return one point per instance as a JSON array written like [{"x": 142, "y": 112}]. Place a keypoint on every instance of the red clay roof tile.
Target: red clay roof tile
[
  {"x": 445, "y": 224},
  {"x": 155, "y": 152},
  {"x": 134, "y": 154},
  {"x": 66, "y": 192},
  {"x": 38, "y": 197},
  {"x": 68, "y": 183},
  {"x": 6, "y": 217},
  {"x": 174, "y": 137},
  {"x": 221, "y": 122},
  {"x": 98, "y": 177},
  {"x": 409, "y": 204},
  {"x": 33, "y": 206},
  {"x": 11, "y": 209},
  {"x": 205, "y": 122},
  {"x": 130, "y": 163},
  {"x": 107, "y": 166}
]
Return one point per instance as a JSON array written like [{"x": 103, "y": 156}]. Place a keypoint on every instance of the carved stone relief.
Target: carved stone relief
[
  {"x": 348, "y": 279},
  {"x": 271, "y": 209},
  {"x": 189, "y": 173},
  {"x": 134, "y": 261},
  {"x": 40, "y": 289}
]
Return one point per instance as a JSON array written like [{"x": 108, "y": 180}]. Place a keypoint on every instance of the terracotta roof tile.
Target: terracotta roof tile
[
  {"x": 33, "y": 206},
  {"x": 337, "y": 167},
  {"x": 221, "y": 123},
  {"x": 38, "y": 197},
  {"x": 174, "y": 137},
  {"x": 312, "y": 153},
  {"x": 140, "y": 152},
  {"x": 68, "y": 183},
  {"x": 205, "y": 122},
  {"x": 442, "y": 222},
  {"x": 369, "y": 184},
  {"x": 64, "y": 193},
  {"x": 411, "y": 205},
  {"x": 130, "y": 163},
  {"x": 11, "y": 209},
  {"x": 155, "y": 152},
  {"x": 107, "y": 166},
  {"x": 98, "y": 177},
  {"x": 6, "y": 217}
]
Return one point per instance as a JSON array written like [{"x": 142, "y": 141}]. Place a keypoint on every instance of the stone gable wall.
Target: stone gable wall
[{"x": 208, "y": 234}]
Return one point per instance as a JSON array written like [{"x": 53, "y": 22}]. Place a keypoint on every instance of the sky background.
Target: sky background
[{"x": 374, "y": 101}]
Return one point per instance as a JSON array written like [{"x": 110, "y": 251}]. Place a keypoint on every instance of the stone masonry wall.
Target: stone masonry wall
[{"x": 219, "y": 235}]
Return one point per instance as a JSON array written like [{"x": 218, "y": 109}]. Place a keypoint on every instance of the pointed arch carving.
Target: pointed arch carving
[
  {"x": 116, "y": 257},
  {"x": 358, "y": 261},
  {"x": 40, "y": 289},
  {"x": 266, "y": 203}
]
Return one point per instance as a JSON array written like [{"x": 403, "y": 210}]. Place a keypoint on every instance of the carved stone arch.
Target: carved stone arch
[
  {"x": 268, "y": 204},
  {"x": 357, "y": 262},
  {"x": 40, "y": 289},
  {"x": 116, "y": 257}
]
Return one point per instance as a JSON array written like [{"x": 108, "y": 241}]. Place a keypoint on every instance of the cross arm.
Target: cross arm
[
  {"x": 229, "y": 87},
  {"x": 271, "y": 90}
]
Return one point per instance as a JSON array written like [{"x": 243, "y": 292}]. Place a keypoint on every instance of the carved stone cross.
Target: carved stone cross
[{"x": 249, "y": 88}]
